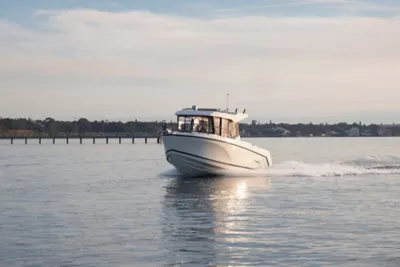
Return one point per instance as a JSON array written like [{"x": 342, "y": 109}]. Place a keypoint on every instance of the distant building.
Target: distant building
[
  {"x": 244, "y": 133},
  {"x": 331, "y": 133},
  {"x": 367, "y": 132},
  {"x": 281, "y": 131},
  {"x": 354, "y": 131},
  {"x": 385, "y": 131}
]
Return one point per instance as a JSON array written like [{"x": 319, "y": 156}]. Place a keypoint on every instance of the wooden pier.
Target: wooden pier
[{"x": 81, "y": 139}]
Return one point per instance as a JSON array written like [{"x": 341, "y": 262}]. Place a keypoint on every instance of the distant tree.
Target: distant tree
[
  {"x": 98, "y": 126},
  {"x": 52, "y": 128},
  {"x": 75, "y": 128},
  {"x": 84, "y": 125},
  {"x": 48, "y": 120},
  {"x": 7, "y": 123}
]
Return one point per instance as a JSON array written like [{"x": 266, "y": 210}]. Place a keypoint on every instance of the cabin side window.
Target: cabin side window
[
  {"x": 225, "y": 128},
  {"x": 217, "y": 126},
  {"x": 233, "y": 129},
  {"x": 185, "y": 123}
]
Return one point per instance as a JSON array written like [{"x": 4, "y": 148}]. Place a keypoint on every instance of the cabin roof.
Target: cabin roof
[{"x": 234, "y": 116}]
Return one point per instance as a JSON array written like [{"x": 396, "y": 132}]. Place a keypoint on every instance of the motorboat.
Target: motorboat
[{"x": 208, "y": 142}]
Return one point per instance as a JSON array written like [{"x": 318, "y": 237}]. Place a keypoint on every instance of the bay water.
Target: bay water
[{"x": 324, "y": 202}]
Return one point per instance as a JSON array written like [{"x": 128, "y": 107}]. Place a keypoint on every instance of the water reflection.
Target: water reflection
[{"x": 201, "y": 214}]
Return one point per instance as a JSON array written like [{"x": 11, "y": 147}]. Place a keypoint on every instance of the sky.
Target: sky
[{"x": 281, "y": 60}]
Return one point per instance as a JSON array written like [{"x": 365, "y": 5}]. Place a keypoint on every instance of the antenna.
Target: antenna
[{"x": 227, "y": 102}]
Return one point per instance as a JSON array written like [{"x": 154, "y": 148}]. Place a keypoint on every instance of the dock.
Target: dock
[{"x": 66, "y": 139}]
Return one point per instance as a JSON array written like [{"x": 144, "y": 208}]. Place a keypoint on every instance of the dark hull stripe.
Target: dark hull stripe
[
  {"x": 221, "y": 141},
  {"x": 216, "y": 161}
]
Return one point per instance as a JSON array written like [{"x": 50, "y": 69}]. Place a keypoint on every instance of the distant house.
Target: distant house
[
  {"x": 385, "y": 131},
  {"x": 20, "y": 132},
  {"x": 367, "y": 132},
  {"x": 244, "y": 133},
  {"x": 331, "y": 133},
  {"x": 354, "y": 131},
  {"x": 281, "y": 131}
]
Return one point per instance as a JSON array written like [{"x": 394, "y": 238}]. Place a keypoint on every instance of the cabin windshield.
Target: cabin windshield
[
  {"x": 211, "y": 125},
  {"x": 194, "y": 124}
]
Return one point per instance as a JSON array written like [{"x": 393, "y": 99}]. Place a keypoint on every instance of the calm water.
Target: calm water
[{"x": 326, "y": 202}]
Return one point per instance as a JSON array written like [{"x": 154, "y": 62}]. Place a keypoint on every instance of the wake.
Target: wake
[{"x": 369, "y": 165}]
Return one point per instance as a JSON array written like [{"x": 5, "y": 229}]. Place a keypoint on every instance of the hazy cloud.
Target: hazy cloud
[
  {"x": 142, "y": 64},
  {"x": 337, "y": 7},
  {"x": 357, "y": 4}
]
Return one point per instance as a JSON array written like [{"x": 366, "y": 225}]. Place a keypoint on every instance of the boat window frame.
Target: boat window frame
[
  {"x": 228, "y": 133},
  {"x": 209, "y": 128},
  {"x": 217, "y": 129},
  {"x": 231, "y": 132}
]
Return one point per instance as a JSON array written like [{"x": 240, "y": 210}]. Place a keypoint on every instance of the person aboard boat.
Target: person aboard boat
[{"x": 201, "y": 128}]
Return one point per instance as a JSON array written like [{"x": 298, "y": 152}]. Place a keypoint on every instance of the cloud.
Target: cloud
[
  {"x": 146, "y": 64},
  {"x": 353, "y": 7},
  {"x": 335, "y": 7},
  {"x": 258, "y": 7},
  {"x": 329, "y": 2}
]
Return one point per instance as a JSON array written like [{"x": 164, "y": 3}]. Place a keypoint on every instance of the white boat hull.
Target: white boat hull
[{"x": 198, "y": 154}]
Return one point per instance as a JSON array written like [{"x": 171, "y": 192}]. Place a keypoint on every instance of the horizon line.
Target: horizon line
[{"x": 359, "y": 122}]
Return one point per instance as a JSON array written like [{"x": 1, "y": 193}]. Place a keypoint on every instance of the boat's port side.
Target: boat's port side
[{"x": 212, "y": 151}]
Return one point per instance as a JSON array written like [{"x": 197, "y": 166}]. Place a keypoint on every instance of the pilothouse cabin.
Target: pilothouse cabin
[{"x": 210, "y": 121}]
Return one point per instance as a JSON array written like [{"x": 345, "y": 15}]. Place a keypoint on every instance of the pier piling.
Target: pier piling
[{"x": 24, "y": 139}]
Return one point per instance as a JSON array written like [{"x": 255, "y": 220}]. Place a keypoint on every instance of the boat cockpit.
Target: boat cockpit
[{"x": 209, "y": 124}]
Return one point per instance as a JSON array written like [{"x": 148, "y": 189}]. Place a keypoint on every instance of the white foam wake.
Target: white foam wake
[
  {"x": 376, "y": 162},
  {"x": 369, "y": 165},
  {"x": 301, "y": 169}
]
